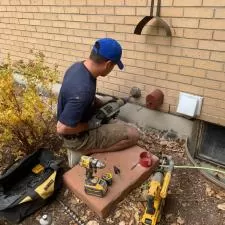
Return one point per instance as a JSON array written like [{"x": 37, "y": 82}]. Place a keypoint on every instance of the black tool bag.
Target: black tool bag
[{"x": 29, "y": 184}]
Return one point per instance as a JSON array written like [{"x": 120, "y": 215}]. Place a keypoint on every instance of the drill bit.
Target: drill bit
[
  {"x": 116, "y": 170},
  {"x": 71, "y": 213}
]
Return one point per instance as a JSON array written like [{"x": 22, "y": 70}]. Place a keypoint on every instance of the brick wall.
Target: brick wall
[{"x": 191, "y": 61}]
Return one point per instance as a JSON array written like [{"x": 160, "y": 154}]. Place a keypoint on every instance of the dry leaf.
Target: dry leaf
[
  {"x": 180, "y": 220},
  {"x": 209, "y": 191},
  {"x": 221, "y": 206}
]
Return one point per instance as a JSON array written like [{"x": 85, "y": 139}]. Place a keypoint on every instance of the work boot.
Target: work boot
[{"x": 73, "y": 157}]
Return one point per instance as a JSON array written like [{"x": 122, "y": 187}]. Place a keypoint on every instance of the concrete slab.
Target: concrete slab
[
  {"x": 144, "y": 117},
  {"x": 123, "y": 183}
]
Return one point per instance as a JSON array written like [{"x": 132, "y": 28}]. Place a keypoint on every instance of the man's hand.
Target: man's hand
[
  {"x": 98, "y": 103},
  {"x": 93, "y": 124}
]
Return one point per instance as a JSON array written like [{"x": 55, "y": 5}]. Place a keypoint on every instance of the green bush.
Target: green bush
[{"x": 27, "y": 117}]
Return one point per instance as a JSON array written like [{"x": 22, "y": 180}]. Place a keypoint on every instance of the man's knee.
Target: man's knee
[{"x": 133, "y": 134}]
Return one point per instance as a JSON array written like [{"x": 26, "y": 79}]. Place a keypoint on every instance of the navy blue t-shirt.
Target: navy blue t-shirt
[{"x": 76, "y": 95}]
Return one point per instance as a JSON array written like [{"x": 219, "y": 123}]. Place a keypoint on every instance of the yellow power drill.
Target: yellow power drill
[
  {"x": 158, "y": 187},
  {"x": 94, "y": 185}
]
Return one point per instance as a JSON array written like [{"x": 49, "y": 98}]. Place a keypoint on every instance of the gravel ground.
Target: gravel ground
[{"x": 191, "y": 200}]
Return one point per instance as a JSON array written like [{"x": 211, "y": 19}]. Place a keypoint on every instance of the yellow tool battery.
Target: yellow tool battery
[
  {"x": 108, "y": 178},
  {"x": 38, "y": 169}
]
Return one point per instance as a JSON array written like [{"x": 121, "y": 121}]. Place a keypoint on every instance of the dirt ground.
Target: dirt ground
[{"x": 192, "y": 200}]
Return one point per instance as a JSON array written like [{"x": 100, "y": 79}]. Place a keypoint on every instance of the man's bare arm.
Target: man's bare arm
[{"x": 64, "y": 129}]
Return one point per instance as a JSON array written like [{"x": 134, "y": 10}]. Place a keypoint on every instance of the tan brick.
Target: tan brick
[
  {"x": 136, "y": 38},
  {"x": 184, "y": 42},
  {"x": 192, "y": 71},
  {"x": 212, "y": 45},
  {"x": 127, "y": 45},
  {"x": 220, "y": 76},
  {"x": 14, "y": 2},
  {"x": 185, "y": 22},
  {"x": 212, "y": 23},
  {"x": 166, "y": 84},
  {"x": 111, "y": 86},
  {"x": 57, "y": 9},
  {"x": 168, "y": 50},
  {"x": 218, "y": 56},
  {"x": 87, "y": 26},
  {"x": 170, "y": 100},
  {"x": 74, "y": 10},
  {"x": 59, "y": 37},
  {"x": 114, "y": 80},
  {"x": 44, "y": 9},
  {"x": 97, "y": 34},
  {"x": 142, "y": 11},
  {"x": 124, "y": 28},
  {"x": 105, "y": 27},
  {"x": 205, "y": 83},
  {"x": 195, "y": 53},
  {"x": 171, "y": 12},
  {"x": 145, "y": 64},
  {"x": 64, "y": 2},
  {"x": 213, "y": 3},
  {"x": 94, "y": 2},
  {"x": 79, "y": 17},
  {"x": 105, "y": 10},
  {"x": 155, "y": 74},
  {"x": 167, "y": 67},
  {"x": 37, "y": 35},
  {"x": 125, "y": 11},
  {"x": 212, "y": 102},
  {"x": 198, "y": 12},
  {"x": 134, "y": 54},
  {"x": 157, "y": 58},
  {"x": 130, "y": 84},
  {"x": 222, "y": 87},
  {"x": 126, "y": 76},
  {"x": 134, "y": 70},
  {"x": 136, "y": 2},
  {"x": 145, "y": 47},
  {"x": 145, "y": 80},
  {"x": 95, "y": 18},
  {"x": 179, "y": 78},
  {"x": 220, "y": 13},
  {"x": 114, "y": 19},
  {"x": 213, "y": 111},
  {"x": 46, "y": 23},
  {"x": 114, "y": 2},
  {"x": 117, "y": 36},
  {"x": 24, "y": 2},
  {"x": 214, "y": 94},
  {"x": 35, "y": 22},
  {"x": 191, "y": 89},
  {"x": 78, "y": 2},
  {"x": 83, "y": 47},
  {"x": 208, "y": 65},
  {"x": 3, "y": 8},
  {"x": 132, "y": 19},
  {"x": 159, "y": 40},
  {"x": 187, "y": 2},
  {"x": 181, "y": 61},
  {"x": 128, "y": 62},
  {"x": 198, "y": 34},
  {"x": 124, "y": 90},
  {"x": 219, "y": 35},
  {"x": 73, "y": 24},
  {"x": 59, "y": 24}
]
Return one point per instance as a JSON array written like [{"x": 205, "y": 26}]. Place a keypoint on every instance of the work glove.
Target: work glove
[{"x": 93, "y": 123}]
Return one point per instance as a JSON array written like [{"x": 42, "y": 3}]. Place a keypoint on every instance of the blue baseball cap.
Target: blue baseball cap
[{"x": 109, "y": 49}]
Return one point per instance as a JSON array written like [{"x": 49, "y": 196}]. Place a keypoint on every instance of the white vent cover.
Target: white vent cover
[{"x": 189, "y": 104}]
